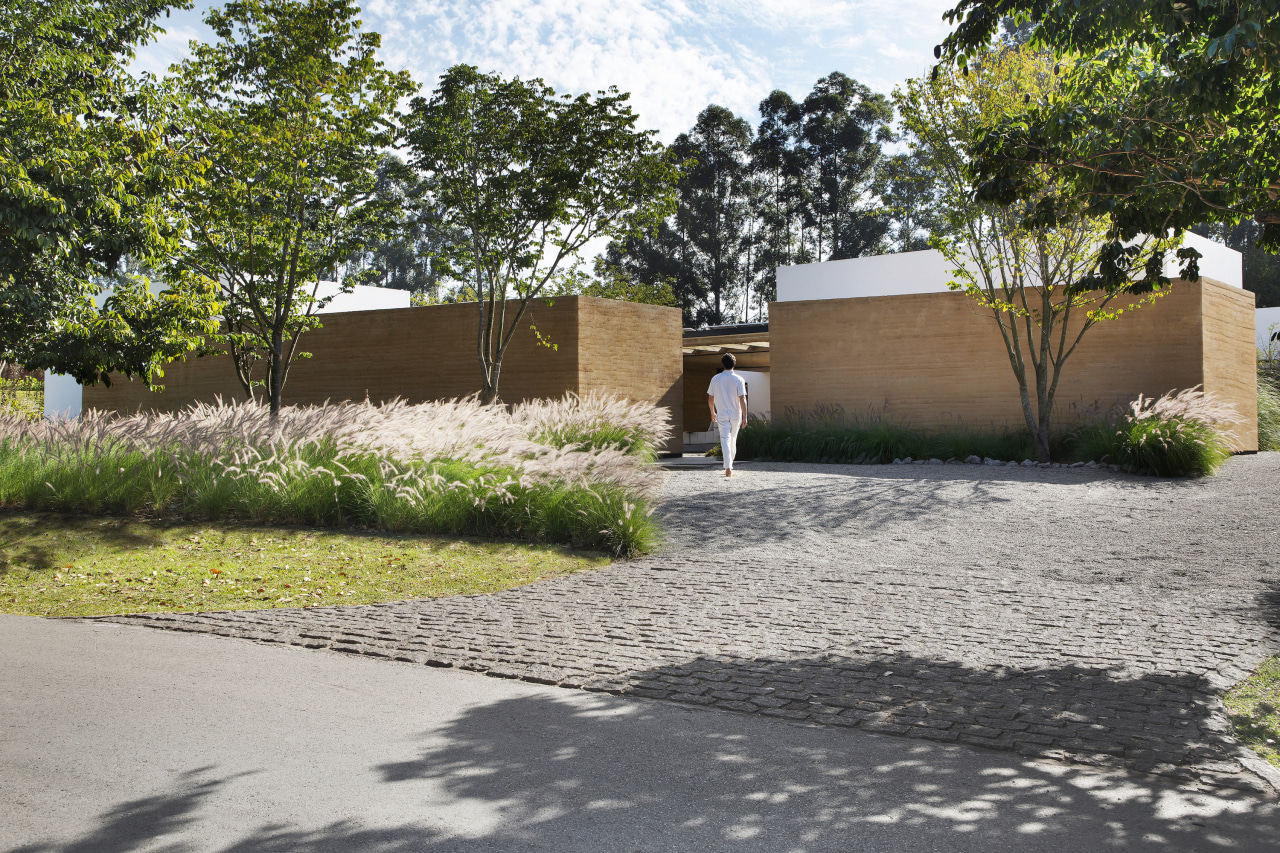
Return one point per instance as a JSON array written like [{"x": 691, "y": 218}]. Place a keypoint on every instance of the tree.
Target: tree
[
  {"x": 802, "y": 188},
  {"x": 414, "y": 256},
  {"x": 89, "y": 170},
  {"x": 294, "y": 111},
  {"x": 1261, "y": 268},
  {"x": 613, "y": 282},
  {"x": 1039, "y": 284},
  {"x": 910, "y": 191},
  {"x": 843, "y": 127},
  {"x": 713, "y": 213},
  {"x": 1166, "y": 119},
  {"x": 530, "y": 177}
]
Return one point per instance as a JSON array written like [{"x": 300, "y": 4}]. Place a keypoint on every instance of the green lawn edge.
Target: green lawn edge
[
  {"x": 70, "y": 566},
  {"x": 1254, "y": 708}
]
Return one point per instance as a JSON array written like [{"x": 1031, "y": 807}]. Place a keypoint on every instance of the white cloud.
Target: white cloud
[{"x": 673, "y": 56}]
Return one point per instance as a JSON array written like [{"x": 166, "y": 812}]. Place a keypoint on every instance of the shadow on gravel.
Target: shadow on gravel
[
  {"x": 1165, "y": 724},
  {"x": 564, "y": 777},
  {"x": 868, "y": 499}
]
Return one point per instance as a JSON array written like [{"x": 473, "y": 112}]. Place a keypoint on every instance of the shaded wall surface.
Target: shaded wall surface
[
  {"x": 429, "y": 353},
  {"x": 937, "y": 359},
  {"x": 700, "y": 367}
]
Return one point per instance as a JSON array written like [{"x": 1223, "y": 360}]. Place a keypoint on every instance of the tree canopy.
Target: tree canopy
[
  {"x": 528, "y": 177},
  {"x": 293, "y": 113},
  {"x": 1039, "y": 283},
  {"x": 804, "y": 186},
  {"x": 90, "y": 167},
  {"x": 1166, "y": 118}
]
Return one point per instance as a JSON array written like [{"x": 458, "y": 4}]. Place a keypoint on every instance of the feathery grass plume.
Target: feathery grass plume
[
  {"x": 598, "y": 421},
  {"x": 542, "y": 471},
  {"x": 1180, "y": 434}
]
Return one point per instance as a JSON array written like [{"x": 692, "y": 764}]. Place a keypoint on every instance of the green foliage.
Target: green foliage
[
  {"x": 1177, "y": 435},
  {"x": 1254, "y": 707},
  {"x": 293, "y": 114},
  {"x": 22, "y": 397},
  {"x": 1166, "y": 120},
  {"x": 90, "y": 166},
  {"x": 1268, "y": 413},
  {"x": 829, "y": 434},
  {"x": 1173, "y": 447},
  {"x": 547, "y": 472},
  {"x": 801, "y": 188},
  {"x": 413, "y": 256},
  {"x": 529, "y": 178},
  {"x": 1041, "y": 285},
  {"x": 631, "y": 440},
  {"x": 1187, "y": 434}
]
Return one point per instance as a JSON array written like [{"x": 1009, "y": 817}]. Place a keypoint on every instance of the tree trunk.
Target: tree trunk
[{"x": 276, "y": 376}]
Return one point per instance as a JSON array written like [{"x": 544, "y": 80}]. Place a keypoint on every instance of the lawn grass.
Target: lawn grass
[
  {"x": 60, "y": 565},
  {"x": 1254, "y": 706}
]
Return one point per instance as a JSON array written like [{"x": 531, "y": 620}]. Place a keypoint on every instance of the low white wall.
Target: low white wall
[
  {"x": 1267, "y": 323},
  {"x": 757, "y": 392},
  {"x": 928, "y": 272},
  {"x": 63, "y": 396}
]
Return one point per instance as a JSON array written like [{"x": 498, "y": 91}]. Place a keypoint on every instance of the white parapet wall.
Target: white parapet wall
[
  {"x": 928, "y": 272},
  {"x": 63, "y": 397},
  {"x": 1267, "y": 323}
]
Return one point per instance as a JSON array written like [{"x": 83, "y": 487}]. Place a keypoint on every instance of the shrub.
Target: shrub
[
  {"x": 454, "y": 467},
  {"x": 23, "y": 397},
  {"x": 1268, "y": 413},
  {"x": 829, "y": 434},
  {"x": 1177, "y": 435}
]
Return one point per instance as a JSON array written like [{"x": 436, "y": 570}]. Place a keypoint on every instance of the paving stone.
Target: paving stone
[{"x": 898, "y": 610}]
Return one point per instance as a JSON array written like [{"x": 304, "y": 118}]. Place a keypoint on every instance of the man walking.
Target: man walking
[{"x": 727, "y": 399}]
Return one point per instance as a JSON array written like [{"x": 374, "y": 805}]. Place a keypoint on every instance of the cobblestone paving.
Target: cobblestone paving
[{"x": 959, "y": 644}]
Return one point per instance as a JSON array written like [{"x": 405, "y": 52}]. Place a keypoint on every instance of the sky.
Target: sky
[{"x": 673, "y": 56}]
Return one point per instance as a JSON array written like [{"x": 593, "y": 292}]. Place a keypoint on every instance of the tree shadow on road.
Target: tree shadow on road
[{"x": 561, "y": 771}]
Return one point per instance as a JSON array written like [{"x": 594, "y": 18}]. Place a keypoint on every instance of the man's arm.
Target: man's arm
[
  {"x": 711, "y": 404},
  {"x": 742, "y": 406}
]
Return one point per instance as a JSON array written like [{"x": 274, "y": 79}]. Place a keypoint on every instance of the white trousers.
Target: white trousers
[{"x": 728, "y": 439}]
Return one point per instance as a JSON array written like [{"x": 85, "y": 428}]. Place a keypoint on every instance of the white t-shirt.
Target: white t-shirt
[{"x": 727, "y": 387}]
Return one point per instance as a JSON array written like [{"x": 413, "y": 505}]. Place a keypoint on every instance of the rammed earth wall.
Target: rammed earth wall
[
  {"x": 429, "y": 353},
  {"x": 937, "y": 360}
]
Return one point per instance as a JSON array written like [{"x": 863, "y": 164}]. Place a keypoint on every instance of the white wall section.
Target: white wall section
[{"x": 928, "y": 272}]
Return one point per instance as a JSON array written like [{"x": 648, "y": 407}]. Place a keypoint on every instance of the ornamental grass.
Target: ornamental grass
[
  {"x": 569, "y": 471},
  {"x": 1182, "y": 434}
]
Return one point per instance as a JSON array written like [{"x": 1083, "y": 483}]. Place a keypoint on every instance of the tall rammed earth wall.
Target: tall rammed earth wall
[
  {"x": 937, "y": 360},
  {"x": 429, "y": 353}
]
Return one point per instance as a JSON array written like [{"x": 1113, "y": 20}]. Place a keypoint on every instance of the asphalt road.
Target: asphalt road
[{"x": 115, "y": 738}]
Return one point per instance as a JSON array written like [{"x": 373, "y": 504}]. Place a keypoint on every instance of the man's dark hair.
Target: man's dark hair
[{"x": 728, "y": 361}]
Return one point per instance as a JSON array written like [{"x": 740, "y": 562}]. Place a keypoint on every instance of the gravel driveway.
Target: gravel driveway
[{"x": 1073, "y": 614}]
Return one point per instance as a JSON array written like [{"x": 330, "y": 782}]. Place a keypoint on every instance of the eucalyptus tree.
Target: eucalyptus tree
[
  {"x": 843, "y": 128},
  {"x": 910, "y": 190},
  {"x": 1167, "y": 116},
  {"x": 414, "y": 256},
  {"x": 294, "y": 112},
  {"x": 713, "y": 211},
  {"x": 779, "y": 164},
  {"x": 90, "y": 166},
  {"x": 528, "y": 178}
]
